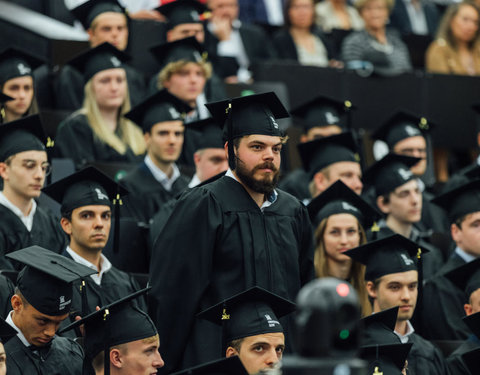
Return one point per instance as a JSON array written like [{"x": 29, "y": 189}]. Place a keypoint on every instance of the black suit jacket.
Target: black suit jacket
[{"x": 399, "y": 17}]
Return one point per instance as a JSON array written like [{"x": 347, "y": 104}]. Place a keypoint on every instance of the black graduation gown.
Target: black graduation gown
[
  {"x": 64, "y": 357},
  {"x": 296, "y": 183},
  {"x": 46, "y": 232},
  {"x": 69, "y": 88},
  {"x": 216, "y": 243},
  {"x": 147, "y": 195},
  {"x": 443, "y": 306},
  {"x": 455, "y": 361},
  {"x": 7, "y": 290},
  {"x": 424, "y": 358},
  {"x": 75, "y": 140},
  {"x": 159, "y": 220}
]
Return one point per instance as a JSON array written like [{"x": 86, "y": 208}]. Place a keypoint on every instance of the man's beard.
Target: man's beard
[{"x": 263, "y": 186}]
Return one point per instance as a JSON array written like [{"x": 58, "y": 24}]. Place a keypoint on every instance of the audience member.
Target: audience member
[
  {"x": 419, "y": 17},
  {"x": 337, "y": 15}
]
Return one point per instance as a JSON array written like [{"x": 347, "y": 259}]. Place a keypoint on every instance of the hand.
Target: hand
[
  {"x": 222, "y": 28},
  {"x": 82, "y": 327}
]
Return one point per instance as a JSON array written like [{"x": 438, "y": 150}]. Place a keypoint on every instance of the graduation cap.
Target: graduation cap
[
  {"x": 460, "y": 201},
  {"x": 17, "y": 63},
  {"x": 473, "y": 323},
  {"x": 212, "y": 133},
  {"x": 104, "y": 56},
  {"x": 46, "y": 280},
  {"x": 322, "y": 152},
  {"x": 385, "y": 359},
  {"x": 401, "y": 125},
  {"x": 321, "y": 111},
  {"x": 186, "y": 49},
  {"x": 387, "y": 255},
  {"x": 252, "y": 312},
  {"x": 4, "y": 98},
  {"x": 390, "y": 172},
  {"x": 378, "y": 328},
  {"x": 159, "y": 107},
  {"x": 472, "y": 360},
  {"x": 6, "y": 331},
  {"x": 466, "y": 277},
  {"x": 340, "y": 199},
  {"x": 247, "y": 115},
  {"x": 182, "y": 11},
  {"x": 90, "y": 9},
  {"x": 116, "y": 323},
  {"x": 25, "y": 134},
  {"x": 225, "y": 366}
]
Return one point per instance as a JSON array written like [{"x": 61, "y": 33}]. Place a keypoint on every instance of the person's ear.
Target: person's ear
[
  {"x": 384, "y": 207},
  {"x": 230, "y": 352},
  {"x": 116, "y": 359}
]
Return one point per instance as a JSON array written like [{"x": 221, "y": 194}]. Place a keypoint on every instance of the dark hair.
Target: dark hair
[
  {"x": 288, "y": 5},
  {"x": 67, "y": 215},
  {"x": 236, "y": 344},
  {"x": 458, "y": 222},
  {"x": 375, "y": 282}
]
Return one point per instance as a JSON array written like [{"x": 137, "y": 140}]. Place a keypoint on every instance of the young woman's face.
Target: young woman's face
[
  {"x": 464, "y": 24},
  {"x": 110, "y": 88},
  {"x": 20, "y": 89},
  {"x": 341, "y": 234},
  {"x": 301, "y": 13}
]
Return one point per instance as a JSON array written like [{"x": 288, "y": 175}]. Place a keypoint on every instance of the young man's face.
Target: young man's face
[
  {"x": 260, "y": 352},
  {"x": 164, "y": 141},
  {"x": 187, "y": 83},
  {"x": 141, "y": 357},
  {"x": 186, "y": 30},
  {"x": 396, "y": 289},
  {"x": 89, "y": 227},
  {"x": 209, "y": 162},
  {"x": 258, "y": 162},
  {"x": 467, "y": 236},
  {"x": 318, "y": 132},
  {"x": 416, "y": 147},
  {"x": 349, "y": 172},
  {"x": 109, "y": 27},
  {"x": 25, "y": 173},
  {"x": 473, "y": 305},
  {"x": 20, "y": 89},
  {"x": 405, "y": 203},
  {"x": 39, "y": 329}
]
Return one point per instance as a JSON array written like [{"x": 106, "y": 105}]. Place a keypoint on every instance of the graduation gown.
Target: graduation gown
[
  {"x": 46, "y": 232},
  {"x": 216, "y": 243},
  {"x": 296, "y": 183},
  {"x": 7, "y": 290},
  {"x": 75, "y": 140},
  {"x": 455, "y": 361},
  {"x": 424, "y": 358},
  {"x": 64, "y": 357},
  {"x": 147, "y": 195}
]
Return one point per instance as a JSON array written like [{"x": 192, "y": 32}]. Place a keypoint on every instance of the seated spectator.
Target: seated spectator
[
  {"x": 301, "y": 40},
  {"x": 263, "y": 12},
  {"x": 457, "y": 47},
  {"x": 337, "y": 14},
  {"x": 417, "y": 17},
  {"x": 377, "y": 45},
  {"x": 98, "y": 132}
]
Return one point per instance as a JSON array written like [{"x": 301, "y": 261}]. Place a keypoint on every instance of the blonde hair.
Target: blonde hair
[
  {"x": 357, "y": 270},
  {"x": 129, "y": 135},
  {"x": 175, "y": 66},
  {"x": 360, "y": 4}
]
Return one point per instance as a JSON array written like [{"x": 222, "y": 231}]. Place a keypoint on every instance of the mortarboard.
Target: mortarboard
[
  {"x": 104, "y": 56},
  {"x": 186, "y": 49},
  {"x": 6, "y": 331},
  {"x": 472, "y": 360},
  {"x": 90, "y": 9},
  {"x": 212, "y": 133},
  {"x": 4, "y": 98},
  {"x": 338, "y": 199},
  {"x": 254, "y": 311},
  {"x": 387, "y": 255},
  {"x": 390, "y": 172},
  {"x": 17, "y": 63},
  {"x": 25, "y": 134},
  {"x": 225, "y": 366},
  {"x": 466, "y": 277},
  {"x": 159, "y": 107},
  {"x": 321, "y": 111},
  {"x": 182, "y": 11},
  {"x": 460, "y": 201},
  {"x": 385, "y": 359},
  {"x": 401, "y": 125},
  {"x": 320, "y": 153},
  {"x": 46, "y": 280},
  {"x": 247, "y": 115},
  {"x": 378, "y": 328},
  {"x": 473, "y": 323}
]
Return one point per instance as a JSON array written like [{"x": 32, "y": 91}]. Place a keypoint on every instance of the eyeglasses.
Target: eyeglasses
[{"x": 32, "y": 165}]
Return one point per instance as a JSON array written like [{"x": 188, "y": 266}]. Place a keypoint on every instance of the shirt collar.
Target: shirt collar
[
  {"x": 160, "y": 176},
  {"x": 105, "y": 264},
  {"x": 410, "y": 331},
  {"x": 20, "y": 335},
  {"x": 26, "y": 220},
  {"x": 464, "y": 255},
  {"x": 195, "y": 181}
]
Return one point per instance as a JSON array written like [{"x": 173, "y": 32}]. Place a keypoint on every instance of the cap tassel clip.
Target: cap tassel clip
[
  {"x": 117, "y": 200},
  {"x": 50, "y": 142},
  {"x": 225, "y": 316},
  {"x": 377, "y": 372},
  {"x": 419, "y": 253},
  {"x": 106, "y": 314}
]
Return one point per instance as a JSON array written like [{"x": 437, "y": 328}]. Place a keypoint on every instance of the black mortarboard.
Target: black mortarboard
[
  {"x": 46, "y": 280},
  {"x": 159, "y": 107},
  {"x": 6, "y": 331},
  {"x": 460, "y": 201},
  {"x": 187, "y": 49},
  {"x": 90, "y": 9},
  {"x": 401, "y": 125},
  {"x": 322, "y": 152},
  {"x": 385, "y": 359},
  {"x": 4, "y": 98},
  {"x": 225, "y": 366},
  {"x": 17, "y": 63},
  {"x": 25, "y": 134},
  {"x": 385, "y": 256},
  {"x": 247, "y": 115},
  {"x": 390, "y": 172},
  {"x": 116, "y": 323},
  {"x": 104, "y": 56},
  {"x": 378, "y": 328},
  {"x": 320, "y": 111},
  {"x": 473, "y": 323},
  {"x": 472, "y": 360},
  {"x": 182, "y": 11},
  {"x": 466, "y": 277},
  {"x": 212, "y": 133},
  {"x": 252, "y": 312},
  {"x": 338, "y": 199}
]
